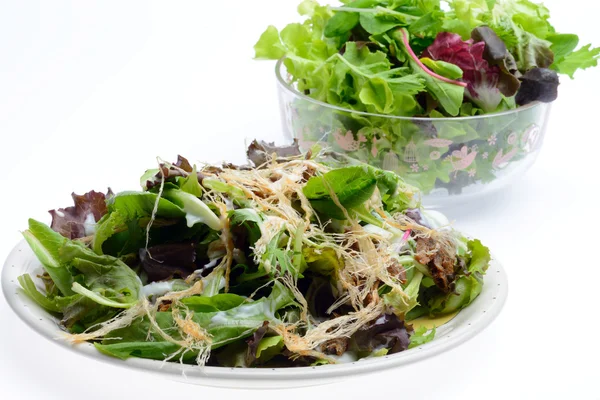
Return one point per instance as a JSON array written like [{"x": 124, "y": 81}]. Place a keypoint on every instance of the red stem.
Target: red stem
[
  {"x": 412, "y": 54},
  {"x": 406, "y": 235}
]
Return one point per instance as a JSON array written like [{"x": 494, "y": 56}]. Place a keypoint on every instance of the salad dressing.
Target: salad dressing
[{"x": 431, "y": 323}]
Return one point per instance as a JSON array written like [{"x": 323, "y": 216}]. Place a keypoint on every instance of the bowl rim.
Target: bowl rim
[{"x": 290, "y": 88}]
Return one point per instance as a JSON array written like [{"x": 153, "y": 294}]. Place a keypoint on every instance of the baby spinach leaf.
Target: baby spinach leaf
[
  {"x": 340, "y": 23},
  {"x": 218, "y": 302}
]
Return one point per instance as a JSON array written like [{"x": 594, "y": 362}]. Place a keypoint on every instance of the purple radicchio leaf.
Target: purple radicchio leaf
[
  {"x": 79, "y": 220},
  {"x": 482, "y": 79}
]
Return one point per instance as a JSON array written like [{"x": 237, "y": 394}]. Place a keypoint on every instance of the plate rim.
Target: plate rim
[{"x": 21, "y": 304}]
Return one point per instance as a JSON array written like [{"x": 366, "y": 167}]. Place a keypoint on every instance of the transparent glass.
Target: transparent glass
[{"x": 450, "y": 159}]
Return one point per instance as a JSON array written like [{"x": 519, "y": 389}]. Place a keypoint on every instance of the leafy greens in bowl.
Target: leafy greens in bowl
[
  {"x": 448, "y": 97},
  {"x": 287, "y": 263}
]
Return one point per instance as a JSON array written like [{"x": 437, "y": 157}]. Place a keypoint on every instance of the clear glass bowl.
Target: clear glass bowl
[{"x": 450, "y": 159}]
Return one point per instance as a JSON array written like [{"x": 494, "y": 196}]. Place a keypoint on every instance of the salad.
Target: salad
[
  {"x": 424, "y": 59},
  {"x": 289, "y": 262}
]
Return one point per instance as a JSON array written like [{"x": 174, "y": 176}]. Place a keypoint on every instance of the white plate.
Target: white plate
[{"x": 461, "y": 328}]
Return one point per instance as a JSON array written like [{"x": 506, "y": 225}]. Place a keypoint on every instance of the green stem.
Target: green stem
[
  {"x": 98, "y": 298},
  {"x": 297, "y": 255}
]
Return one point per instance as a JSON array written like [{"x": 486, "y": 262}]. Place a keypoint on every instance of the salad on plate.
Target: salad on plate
[{"x": 290, "y": 261}]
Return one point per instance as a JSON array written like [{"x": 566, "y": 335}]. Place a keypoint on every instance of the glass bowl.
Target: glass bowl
[{"x": 450, "y": 160}]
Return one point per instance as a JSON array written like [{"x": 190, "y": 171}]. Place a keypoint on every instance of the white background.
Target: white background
[{"x": 92, "y": 91}]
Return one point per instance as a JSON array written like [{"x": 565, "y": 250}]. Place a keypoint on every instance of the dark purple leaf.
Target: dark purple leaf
[
  {"x": 254, "y": 341},
  {"x": 495, "y": 53},
  {"x": 167, "y": 261},
  {"x": 416, "y": 215},
  {"x": 71, "y": 222},
  {"x": 387, "y": 331},
  {"x": 319, "y": 297},
  {"x": 538, "y": 84}
]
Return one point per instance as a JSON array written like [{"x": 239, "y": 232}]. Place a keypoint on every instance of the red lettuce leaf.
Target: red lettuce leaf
[
  {"x": 496, "y": 53},
  {"x": 71, "y": 222},
  {"x": 387, "y": 331},
  {"x": 482, "y": 79}
]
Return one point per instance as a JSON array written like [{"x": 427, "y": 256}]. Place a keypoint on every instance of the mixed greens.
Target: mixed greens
[
  {"x": 288, "y": 262},
  {"x": 423, "y": 58},
  {"x": 415, "y": 58}
]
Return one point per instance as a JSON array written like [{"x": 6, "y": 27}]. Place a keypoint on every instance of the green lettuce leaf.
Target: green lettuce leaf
[
  {"x": 421, "y": 336},
  {"x": 583, "y": 58},
  {"x": 46, "y": 245}
]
